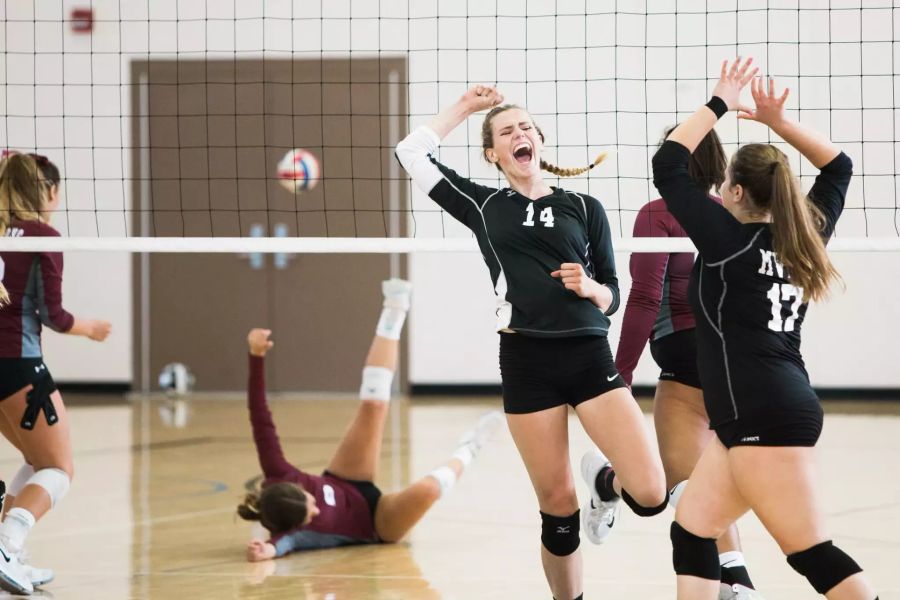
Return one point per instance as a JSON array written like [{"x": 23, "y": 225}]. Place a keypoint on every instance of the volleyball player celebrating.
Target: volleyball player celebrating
[
  {"x": 658, "y": 310},
  {"x": 342, "y": 506},
  {"x": 762, "y": 258},
  {"x": 33, "y": 418},
  {"x": 549, "y": 253}
]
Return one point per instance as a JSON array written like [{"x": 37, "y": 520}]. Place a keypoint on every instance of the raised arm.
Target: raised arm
[
  {"x": 476, "y": 98},
  {"x": 836, "y": 168},
  {"x": 268, "y": 447},
  {"x": 769, "y": 111},
  {"x": 709, "y": 225},
  {"x": 460, "y": 197}
]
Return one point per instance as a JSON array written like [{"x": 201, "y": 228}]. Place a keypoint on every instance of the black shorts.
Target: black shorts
[
  {"x": 368, "y": 490},
  {"x": 798, "y": 427},
  {"x": 676, "y": 356},
  {"x": 19, "y": 373},
  {"x": 541, "y": 373}
]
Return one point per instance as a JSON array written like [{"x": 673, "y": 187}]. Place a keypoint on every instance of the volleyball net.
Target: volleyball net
[{"x": 172, "y": 121}]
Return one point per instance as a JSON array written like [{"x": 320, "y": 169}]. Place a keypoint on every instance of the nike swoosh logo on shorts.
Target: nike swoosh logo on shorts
[
  {"x": 4, "y": 555},
  {"x": 613, "y": 377}
]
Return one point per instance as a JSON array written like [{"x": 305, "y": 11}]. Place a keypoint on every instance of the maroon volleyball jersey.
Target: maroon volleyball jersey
[
  {"x": 344, "y": 518},
  {"x": 34, "y": 283},
  {"x": 658, "y": 302}
]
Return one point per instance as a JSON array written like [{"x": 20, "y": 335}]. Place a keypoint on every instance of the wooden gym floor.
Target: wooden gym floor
[{"x": 151, "y": 510}]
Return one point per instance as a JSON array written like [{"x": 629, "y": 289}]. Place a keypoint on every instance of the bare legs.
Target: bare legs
[
  {"x": 682, "y": 430},
  {"x": 778, "y": 484}
]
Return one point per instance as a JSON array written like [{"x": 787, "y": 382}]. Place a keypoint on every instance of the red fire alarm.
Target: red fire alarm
[{"x": 82, "y": 20}]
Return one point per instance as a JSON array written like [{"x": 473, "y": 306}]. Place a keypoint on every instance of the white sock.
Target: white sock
[
  {"x": 733, "y": 558},
  {"x": 15, "y": 527},
  {"x": 390, "y": 324},
  {"x": 464, "y": 454},
  {"x": 446, "y": 478}
]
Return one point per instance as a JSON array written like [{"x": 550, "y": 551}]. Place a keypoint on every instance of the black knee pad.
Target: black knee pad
[
  {"x": 643, "y": 511},
  {"x": 560, "y": 534},
  {"x": 824, "y": 565},
  {"x": 694, "y": 555}
]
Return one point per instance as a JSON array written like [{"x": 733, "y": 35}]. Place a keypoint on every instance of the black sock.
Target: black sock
[
  {"x": 604, "y": 485},
  {"x": 733, "y": 575},
  {"x": 581, "y": 597}
]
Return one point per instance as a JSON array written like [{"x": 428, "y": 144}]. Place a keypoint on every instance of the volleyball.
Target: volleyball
[
  {"x": 298, "y": 171},
  {"x": 176, "y": 379}
]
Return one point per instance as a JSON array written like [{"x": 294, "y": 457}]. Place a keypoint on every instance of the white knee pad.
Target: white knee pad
[
  {"x": 54, "y": 481},
  {"x": 20, "y": 479},
  {"x": 376, "y": 384}
]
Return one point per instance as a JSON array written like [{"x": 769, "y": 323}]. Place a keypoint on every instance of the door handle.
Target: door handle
[
  {"x": 256, "y": 259},
  {"x": 281, "y": 259}
]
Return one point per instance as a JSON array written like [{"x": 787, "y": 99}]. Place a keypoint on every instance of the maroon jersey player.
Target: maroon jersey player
[
  {"x": 31, "y": 405},
  {"x": 342, "y": 506}
]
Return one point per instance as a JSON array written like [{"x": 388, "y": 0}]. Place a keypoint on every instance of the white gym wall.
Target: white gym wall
[{"x": 848, "y": 342}]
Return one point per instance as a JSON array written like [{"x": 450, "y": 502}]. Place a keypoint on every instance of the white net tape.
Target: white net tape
[{"x": 242, "y": 245}]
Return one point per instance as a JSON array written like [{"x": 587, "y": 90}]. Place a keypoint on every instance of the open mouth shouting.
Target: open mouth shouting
[{"x": 523, "y": 153}]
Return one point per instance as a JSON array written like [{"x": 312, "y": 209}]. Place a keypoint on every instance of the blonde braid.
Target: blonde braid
[{"x": 572, "y": 172}]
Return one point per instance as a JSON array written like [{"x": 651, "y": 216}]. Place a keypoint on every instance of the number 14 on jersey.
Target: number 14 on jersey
[{"x": 546, "y": 216}]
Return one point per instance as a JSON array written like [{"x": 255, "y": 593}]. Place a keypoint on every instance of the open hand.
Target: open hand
[
  {"x": 732, "y": 80},
  {"x": 769, "y": 107},
  {"x": 481, "y": 97},
  {"x": 258, "y": 550},
  {"x": 259, "y": 342}
]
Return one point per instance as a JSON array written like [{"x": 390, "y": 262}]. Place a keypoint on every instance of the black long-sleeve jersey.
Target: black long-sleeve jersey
[
  {"x": 748, "y": 313},
  {"x": 522, "y": 242}
]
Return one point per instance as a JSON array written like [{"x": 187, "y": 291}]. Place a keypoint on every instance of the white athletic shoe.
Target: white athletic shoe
[
  {"x": 13, "y": 577},
  {"x": 475, "y": 438},
  {"x": 396, "y": 293},
  {"x": 737, "y": 592},
  {"x": 37, "y": 575},
  {"x": 597, "y": 516}
]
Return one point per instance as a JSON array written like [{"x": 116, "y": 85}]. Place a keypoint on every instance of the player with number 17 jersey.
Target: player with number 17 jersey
[{"x": 749, "y": 314}]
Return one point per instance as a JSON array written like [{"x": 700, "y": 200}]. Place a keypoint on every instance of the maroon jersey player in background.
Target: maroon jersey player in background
[
  {"x": 33, "y": 415},
  {"x": 658, "y": 310}
]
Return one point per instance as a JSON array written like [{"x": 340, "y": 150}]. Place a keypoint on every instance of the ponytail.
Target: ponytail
[
  {"x": 797, "y": 235},
  {"x": 21, "y": 190},
  {"x": 797, "y": 224},
  {"x": 572, "y": 172},
  {"x": 248, "y": 510}
]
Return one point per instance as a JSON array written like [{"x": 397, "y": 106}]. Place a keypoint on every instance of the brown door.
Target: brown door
[{"x": 209, "y": 135}]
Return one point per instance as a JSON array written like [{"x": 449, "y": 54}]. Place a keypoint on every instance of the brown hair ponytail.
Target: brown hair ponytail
[
  {"x": 21, "y": 190},
  {"x": 797, "y": 224},
  {"x": 278, "y": 507},
  {"x": 248, "y": 510},
  {"x": 572, "y": 172}
]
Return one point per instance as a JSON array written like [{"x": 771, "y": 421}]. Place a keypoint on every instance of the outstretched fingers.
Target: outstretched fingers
[{"x": 745, "y": 75}]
